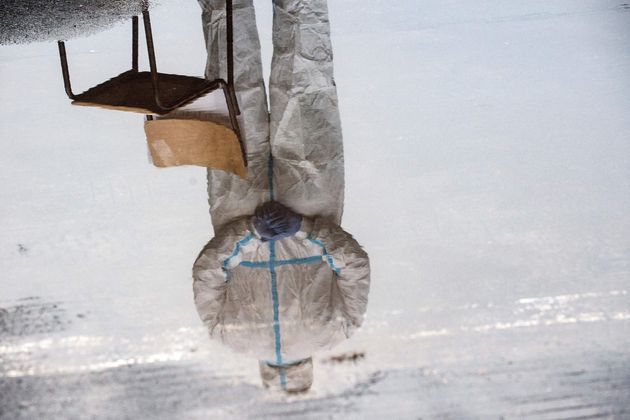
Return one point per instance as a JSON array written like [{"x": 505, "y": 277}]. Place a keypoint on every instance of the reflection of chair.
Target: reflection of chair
[{"x": 152, "y": 92}]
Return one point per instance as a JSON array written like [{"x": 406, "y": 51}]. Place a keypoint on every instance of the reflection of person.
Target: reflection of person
[{"x": 281, "y": 281}]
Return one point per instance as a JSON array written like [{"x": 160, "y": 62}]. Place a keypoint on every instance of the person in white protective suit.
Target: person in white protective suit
[{"x": 281, "y": 280}]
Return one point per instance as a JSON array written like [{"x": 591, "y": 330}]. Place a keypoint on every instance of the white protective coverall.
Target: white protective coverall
[{"x": 281, "y": 300}]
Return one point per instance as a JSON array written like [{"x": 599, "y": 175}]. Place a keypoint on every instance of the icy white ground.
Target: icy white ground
[{"x": 488, "y": 176}]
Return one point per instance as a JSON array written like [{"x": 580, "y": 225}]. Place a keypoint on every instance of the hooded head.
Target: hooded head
[
  {"x": 273, "y": 220},
  {"x": 293, "y": 377}
]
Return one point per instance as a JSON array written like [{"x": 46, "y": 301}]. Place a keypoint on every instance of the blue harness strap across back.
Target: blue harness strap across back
[{"x": 271, "y": 265}]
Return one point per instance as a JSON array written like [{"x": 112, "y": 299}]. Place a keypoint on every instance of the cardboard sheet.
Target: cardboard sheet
[{"x": 175, "y": 142}]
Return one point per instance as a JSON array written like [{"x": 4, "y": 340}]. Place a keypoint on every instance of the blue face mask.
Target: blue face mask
[{"x": 275, "y": 221}]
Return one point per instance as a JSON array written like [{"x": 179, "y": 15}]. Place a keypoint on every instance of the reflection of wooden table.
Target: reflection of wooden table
[
  {"x": 25, "y": 21},
  {"x": 133, "y": 91},
  {"x": 153, "y": 92}
]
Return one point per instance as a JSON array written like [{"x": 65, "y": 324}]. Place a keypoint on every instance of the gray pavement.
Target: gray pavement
[{"x": 572, "y": 370}]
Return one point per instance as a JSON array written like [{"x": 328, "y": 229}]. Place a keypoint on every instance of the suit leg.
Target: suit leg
[
  {"x": 230, "y": 196},
  {"x": 306, "y": 138}
]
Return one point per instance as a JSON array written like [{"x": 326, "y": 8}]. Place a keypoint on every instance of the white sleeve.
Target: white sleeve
[
  {"x": 210, "y": 271},
  {"x": 352, "y": 266}
]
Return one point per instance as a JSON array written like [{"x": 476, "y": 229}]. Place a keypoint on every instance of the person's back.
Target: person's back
[
  {"x": 275, "y": 284},
  {"x": 282, "y": 300}
]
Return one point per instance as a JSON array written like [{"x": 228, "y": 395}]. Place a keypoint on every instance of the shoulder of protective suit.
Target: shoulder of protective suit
[
  {"x": 324, "y": 226},
  {"x": 238, "y": 226},
  {"x": 333, "y": 234},
  {"x": 224, "y": 238},
  {"x": 352, "y": 265}
]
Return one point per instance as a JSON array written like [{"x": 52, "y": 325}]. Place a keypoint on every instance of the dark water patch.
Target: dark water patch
[
  {"x": 22, "y": 249},
  {"x": 31, "y": 316}
]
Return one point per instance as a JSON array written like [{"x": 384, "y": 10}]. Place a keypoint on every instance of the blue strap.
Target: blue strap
[
  {"x": 287, "y": 363},
  {"x": 295, "y": 261},
  {"x": 270, "y": 177},
  {"x": 276, "y": 313},
  {"x": 237, "y": 249},
  {"x": 328, "y": 257}
]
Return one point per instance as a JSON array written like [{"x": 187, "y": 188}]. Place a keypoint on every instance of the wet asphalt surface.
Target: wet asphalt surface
[
  {"x": 565, "y": 371},
  {"x": 564, "y": 381},
  {"x": 26, "y": 21}
]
